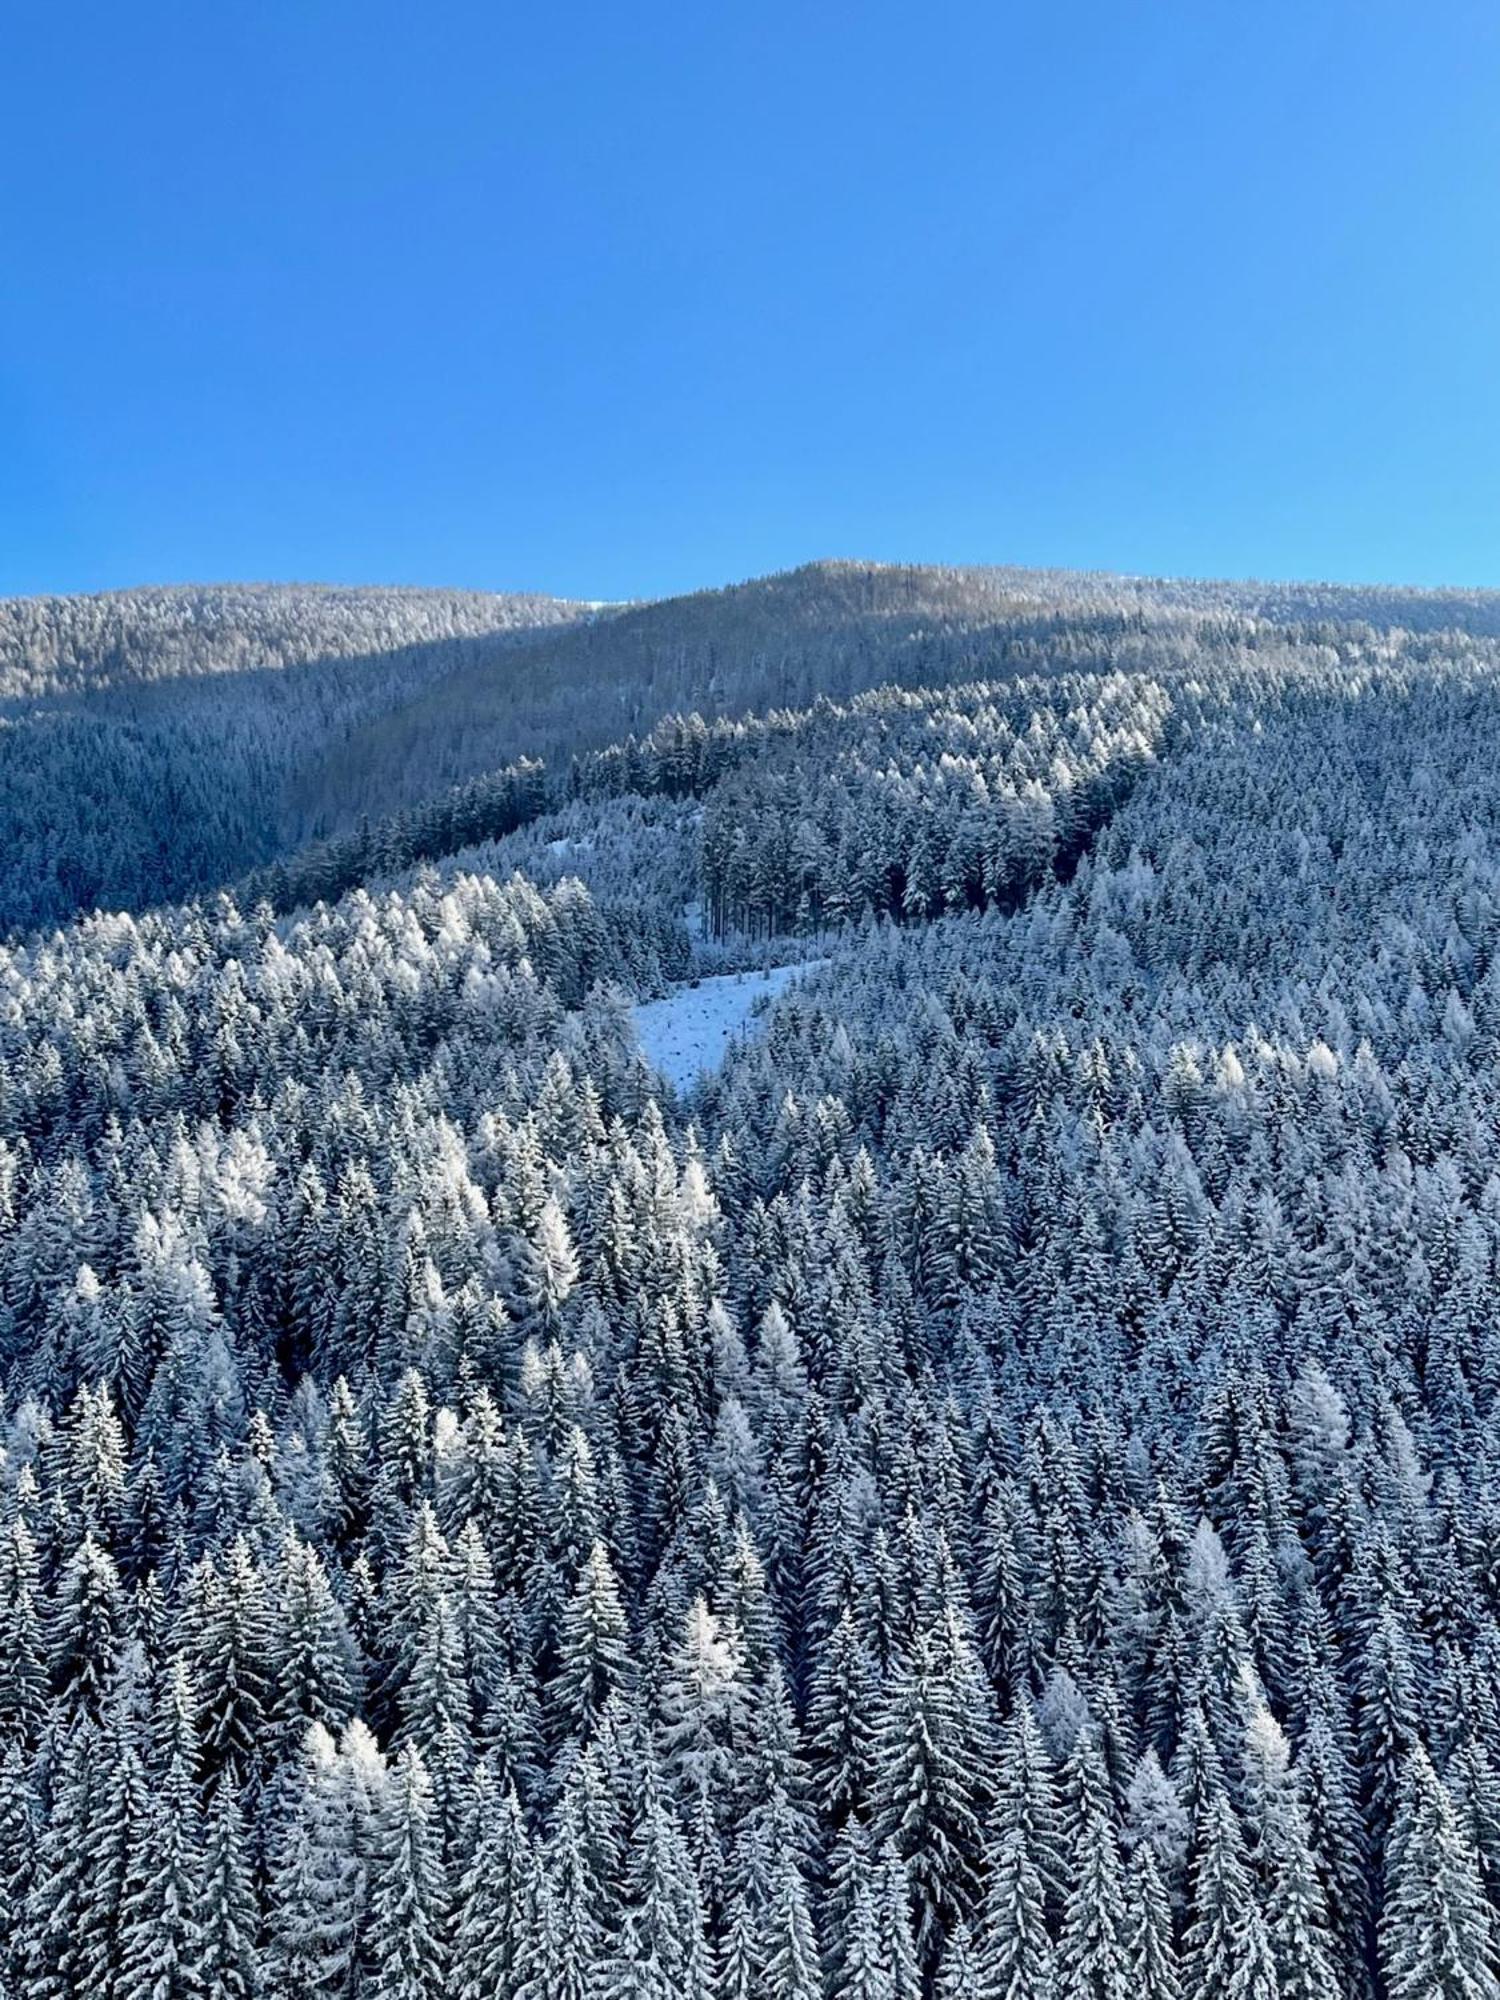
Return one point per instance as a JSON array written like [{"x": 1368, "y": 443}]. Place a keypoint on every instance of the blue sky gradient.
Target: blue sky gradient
[{"x": 616, "y": 301}]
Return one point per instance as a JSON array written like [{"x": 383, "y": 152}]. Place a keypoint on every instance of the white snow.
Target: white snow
[{"x": 689, "y": 1032}]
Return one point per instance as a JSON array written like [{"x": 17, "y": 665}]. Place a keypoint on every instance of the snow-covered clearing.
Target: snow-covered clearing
[{"x": 688, "y": 1032}]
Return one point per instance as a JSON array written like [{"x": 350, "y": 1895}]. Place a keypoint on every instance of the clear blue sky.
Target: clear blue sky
[{"x": 616, "y": 300}]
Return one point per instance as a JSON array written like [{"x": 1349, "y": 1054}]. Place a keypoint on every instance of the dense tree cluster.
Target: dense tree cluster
[
  {"x": 994, "y": 1494},
  {"x": 909, "y": 804}
]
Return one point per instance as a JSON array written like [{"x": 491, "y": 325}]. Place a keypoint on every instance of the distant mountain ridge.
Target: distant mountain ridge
[{"x": 157, "y": 743}]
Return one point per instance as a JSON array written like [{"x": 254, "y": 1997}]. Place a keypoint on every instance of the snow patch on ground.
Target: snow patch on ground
[{"x": 689, "y": 1032}]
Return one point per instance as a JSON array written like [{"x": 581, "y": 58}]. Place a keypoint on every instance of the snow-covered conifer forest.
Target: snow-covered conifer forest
[{"x": 793, "y": 1295}]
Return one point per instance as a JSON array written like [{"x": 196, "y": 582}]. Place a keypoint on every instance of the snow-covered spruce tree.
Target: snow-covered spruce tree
[
  {"x": 1437, "y": 1930},
  {"x": 160, "y": 1914},
  {"x": 318, "y": 1883},
  {"x": 1013, "y": 1952},
  {"x": 409, "y": 1917},
  {"x": 1150, "y": 1954},
  {"x": 593, "y": 1649},
  {"x": 227, "y": 1916},
  {"x": 1091, "y": 1957},
  {"x": 925, "y": 1801},
  {"x": 1226, "y": 1947},
  {"x": 788, "y": 1956}
]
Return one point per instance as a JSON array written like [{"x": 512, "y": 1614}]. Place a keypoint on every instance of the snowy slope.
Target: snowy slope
[{"x": 688, "y": 1032}]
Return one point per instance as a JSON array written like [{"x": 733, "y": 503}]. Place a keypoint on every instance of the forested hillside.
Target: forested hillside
[
  {"x": 150, "y": 739},
  {"x": 992, "y": 1492},
  {"x": 156, "y": 744}
]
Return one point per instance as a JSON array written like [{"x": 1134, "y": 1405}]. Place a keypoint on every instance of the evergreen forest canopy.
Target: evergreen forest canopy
[{"x": 993, "y": 1493}]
